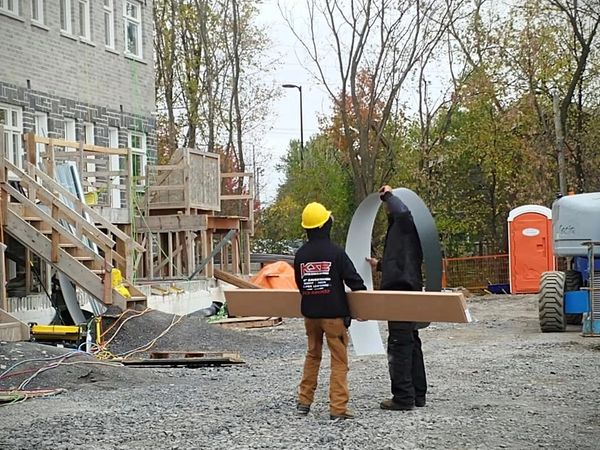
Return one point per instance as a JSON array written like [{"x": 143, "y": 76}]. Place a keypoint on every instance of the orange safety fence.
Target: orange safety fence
[{"x": 476, "y": 272}]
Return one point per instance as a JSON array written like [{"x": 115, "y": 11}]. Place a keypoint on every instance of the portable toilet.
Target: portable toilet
[{"x": 529, "y": 247}]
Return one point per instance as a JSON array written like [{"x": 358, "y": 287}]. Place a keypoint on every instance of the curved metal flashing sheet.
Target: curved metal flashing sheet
[{"x": 366, "y": 338}]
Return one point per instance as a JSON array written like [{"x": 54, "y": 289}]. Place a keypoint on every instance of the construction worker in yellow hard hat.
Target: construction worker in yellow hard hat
[
  {"x": 321, "y": 268},
  {"x": 314, "y": 216}
]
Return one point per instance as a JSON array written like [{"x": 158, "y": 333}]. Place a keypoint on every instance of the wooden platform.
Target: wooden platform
[
  {"x": 249, "y": 322},
  {"x": 193, "y": 354},
  {"x": 186, "y": 359}
]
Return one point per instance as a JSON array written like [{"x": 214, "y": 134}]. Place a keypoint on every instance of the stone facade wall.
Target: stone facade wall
[{"x": 44, "y": 69}]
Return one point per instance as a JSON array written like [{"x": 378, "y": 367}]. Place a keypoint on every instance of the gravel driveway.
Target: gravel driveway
[{"x": 495, "y": 383}]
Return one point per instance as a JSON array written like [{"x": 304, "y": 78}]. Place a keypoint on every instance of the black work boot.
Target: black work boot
[
  {"x": 391, "y": 405},
  {"x": 302, "y": 410}
]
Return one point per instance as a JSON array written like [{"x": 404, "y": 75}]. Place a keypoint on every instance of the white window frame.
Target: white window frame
[
  {"x": 109, "y": 23},
  {"x": 89, "y": 137},
  {"x": 37, "y": 7},
  {"x": 13, "y": 133},
  {"x": 40, "y": 129},
  {"x": 141, "y": 153},
  {"x": 66, "y": 9},
  {"x": 11, "y": 6},
  {"x": 137, "y": 20},
  {"x": 85, "y": 30},
  {"x": 70, "y": 130},
  {"x": 114, "y": 166}
]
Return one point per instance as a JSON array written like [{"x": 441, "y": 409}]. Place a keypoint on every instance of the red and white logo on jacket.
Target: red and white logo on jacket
[
  {"x": 315, "y": 278},
  {"x": 315, "y": 268}
]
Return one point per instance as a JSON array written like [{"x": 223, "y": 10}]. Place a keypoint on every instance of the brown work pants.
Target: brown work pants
[{"x": 337, "y": 340}]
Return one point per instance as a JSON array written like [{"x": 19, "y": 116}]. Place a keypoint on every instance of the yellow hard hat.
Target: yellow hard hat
[{"x": 314, "y": 215}]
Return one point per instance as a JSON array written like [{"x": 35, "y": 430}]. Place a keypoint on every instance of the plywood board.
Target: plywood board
[{"x": 368, "y": 305}]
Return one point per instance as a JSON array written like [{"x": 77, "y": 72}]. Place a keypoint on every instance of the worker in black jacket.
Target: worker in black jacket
[
  {"x": 321, "y": 268},
  {"x": 401, "y": 271}
]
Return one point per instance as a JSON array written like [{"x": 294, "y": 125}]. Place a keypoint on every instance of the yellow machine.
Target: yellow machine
[{"x": 68, "y": 334}]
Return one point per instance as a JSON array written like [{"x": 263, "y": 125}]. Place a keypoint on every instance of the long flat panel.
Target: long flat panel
[{"x": 369, "y": 305}]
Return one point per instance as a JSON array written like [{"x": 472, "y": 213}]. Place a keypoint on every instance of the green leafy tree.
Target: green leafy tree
[{"x": 322, "y": 179}]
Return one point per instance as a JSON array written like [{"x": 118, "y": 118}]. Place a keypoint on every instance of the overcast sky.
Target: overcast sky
[
  {"x": 286, "y": 117},
  {"x": 294, "y": 68}
]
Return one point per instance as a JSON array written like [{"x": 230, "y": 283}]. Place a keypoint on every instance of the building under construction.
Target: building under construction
[{"x": 81, "y": 194}]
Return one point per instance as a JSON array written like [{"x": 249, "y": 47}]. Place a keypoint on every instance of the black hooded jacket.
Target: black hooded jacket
[
  {"x": 321, "y": 268},
  {"x": 402, "y": 254}
]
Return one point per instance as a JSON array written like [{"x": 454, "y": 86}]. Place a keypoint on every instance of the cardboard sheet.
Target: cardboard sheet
[{"x": 369, "y": 305}]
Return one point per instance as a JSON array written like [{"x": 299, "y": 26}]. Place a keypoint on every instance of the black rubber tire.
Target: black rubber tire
[
  {"x": 573, "y": 282},
  {"x": 551, "y": 302}
]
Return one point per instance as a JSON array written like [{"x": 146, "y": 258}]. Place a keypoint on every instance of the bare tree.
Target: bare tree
[
  {"x": 382, "y": 38},
  {"x": 583, "y": 17},
  {"x": 165, "y": 44},
  {"x": 210, "y": 73}
]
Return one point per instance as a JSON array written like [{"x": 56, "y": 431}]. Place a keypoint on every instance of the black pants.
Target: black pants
[{"x": 405, "y": 360}]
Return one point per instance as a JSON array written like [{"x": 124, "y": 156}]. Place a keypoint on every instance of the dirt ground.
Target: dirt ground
[{"x": 495, "y": 383}]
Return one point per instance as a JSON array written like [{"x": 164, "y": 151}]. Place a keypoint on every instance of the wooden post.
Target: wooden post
[
  {"x": 107, "y": 295},
  {"x": 127, "y": 249},
  {"x": 159, "y": 256},
  {"x": 128, "y": 183},
  {"x": 247, "y": 264},
  {"x": 30, "y": 147},
  {"x": 3, "y": 300},
  {"x": 178, "y": 243},
  {"x": 251, "y": 206},
  {"x": 55, "y": 236},
  {"x": 150, "y": 252},
  {"x": 4, "y": 197},
  {"x": 51, "y": 166},
  {"x": 186, "y": 186},
  {"x": 81, "y": 162},
  {"x": 210, "y": 267},
  {"x": 170, "y": 253},
  {"x": 235, "y": 255},
  {"x": 204, "y": 250},
  {"x": 189, "y": 247}
]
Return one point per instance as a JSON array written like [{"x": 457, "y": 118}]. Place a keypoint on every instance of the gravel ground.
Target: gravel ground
[{"x": 494, "y": 383}]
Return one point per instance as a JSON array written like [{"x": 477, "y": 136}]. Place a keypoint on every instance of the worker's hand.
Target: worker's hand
[
  {"x": 384, "y": 189},
  {"x": 361, "y": 320},
  {"x": 372, "y": 261}
]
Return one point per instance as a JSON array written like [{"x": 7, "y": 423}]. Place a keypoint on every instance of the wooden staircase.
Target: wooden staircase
[{"x": 65, "y": 232}]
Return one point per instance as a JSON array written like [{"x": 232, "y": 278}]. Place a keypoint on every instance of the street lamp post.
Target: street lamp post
[{"x": 296, "y": 86}]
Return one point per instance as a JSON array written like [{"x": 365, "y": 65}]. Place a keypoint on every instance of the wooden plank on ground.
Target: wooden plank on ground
[
  {"x": 185, "y": 362},
  {"x": 235, "y": 281},
  {"x": 178, "y": 354},
  {"x": 249, "y": 322}
]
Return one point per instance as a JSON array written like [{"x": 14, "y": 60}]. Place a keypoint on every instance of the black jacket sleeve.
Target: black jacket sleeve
[
  {"x": 395, "y": 205},
  {"x": 399, "y": 214},
  {"x": 297, "y": 273},
  {"x": 350, "y": 276}
]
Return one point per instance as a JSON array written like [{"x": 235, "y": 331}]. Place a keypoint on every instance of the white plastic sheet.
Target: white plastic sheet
[{"x": 366, "y": 338}]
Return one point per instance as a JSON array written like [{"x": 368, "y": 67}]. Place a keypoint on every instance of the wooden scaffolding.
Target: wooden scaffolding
[{"x": 181, "y": 217}]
